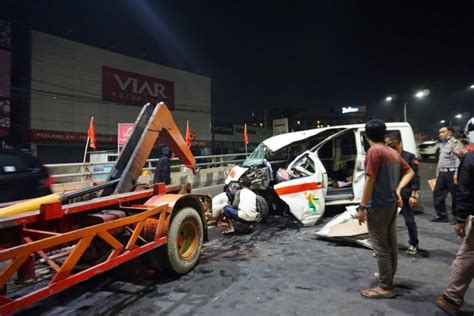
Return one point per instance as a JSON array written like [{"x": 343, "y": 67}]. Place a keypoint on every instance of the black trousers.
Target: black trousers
[
  {"x": 444, "y": 185},
  {"x": 409, "y": 217}
]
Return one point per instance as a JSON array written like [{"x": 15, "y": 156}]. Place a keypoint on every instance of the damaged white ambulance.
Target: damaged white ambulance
[{"x": 329, "y": 169}]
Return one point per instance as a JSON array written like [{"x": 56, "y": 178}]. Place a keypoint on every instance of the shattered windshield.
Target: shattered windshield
[{"x": 256, "y": 157}]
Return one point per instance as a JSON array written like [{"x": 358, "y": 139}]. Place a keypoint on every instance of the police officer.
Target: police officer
[{"x": 446, "y": 173}]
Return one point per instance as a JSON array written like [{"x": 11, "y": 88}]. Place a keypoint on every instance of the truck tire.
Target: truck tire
[
  {"x": 262, "y": 209},
  {"x": 181, "y": 254}
]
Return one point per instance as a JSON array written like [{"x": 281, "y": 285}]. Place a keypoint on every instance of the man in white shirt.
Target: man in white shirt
[{"x": 243, "y": 208}]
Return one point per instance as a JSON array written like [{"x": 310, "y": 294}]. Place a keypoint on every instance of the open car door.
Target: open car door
[
  {"x": 305, "y": 191},
  {"x": 340, "y": 156}
]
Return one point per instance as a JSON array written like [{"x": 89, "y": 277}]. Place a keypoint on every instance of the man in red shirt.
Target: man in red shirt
[{"x": 386, "y": 174}]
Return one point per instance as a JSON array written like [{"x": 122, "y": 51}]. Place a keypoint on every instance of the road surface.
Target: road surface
[{"x": 279, "y": 269}]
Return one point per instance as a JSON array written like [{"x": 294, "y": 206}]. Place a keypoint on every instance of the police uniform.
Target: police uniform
[{"x": 446, "y": 170}]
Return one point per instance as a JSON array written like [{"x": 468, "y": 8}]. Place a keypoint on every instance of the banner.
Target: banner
[
  {"x": 134, "y": 89},
  {"x": 124, "y": 130}
]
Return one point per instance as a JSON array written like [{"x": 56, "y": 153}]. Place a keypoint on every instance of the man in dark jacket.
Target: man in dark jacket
[
  {"x": 463, "y": 265},
  {"x": 409, "y": 193},
  {"x": 163, "y": 167}
]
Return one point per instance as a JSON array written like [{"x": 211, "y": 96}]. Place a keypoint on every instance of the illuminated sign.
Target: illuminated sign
[{"x": 349, "y": 109}]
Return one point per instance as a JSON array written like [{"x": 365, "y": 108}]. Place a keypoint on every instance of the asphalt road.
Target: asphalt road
[{"x": 279, "y": 269}]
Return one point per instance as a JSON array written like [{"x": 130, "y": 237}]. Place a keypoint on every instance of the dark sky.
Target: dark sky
[{"x": 301, "y": 54}]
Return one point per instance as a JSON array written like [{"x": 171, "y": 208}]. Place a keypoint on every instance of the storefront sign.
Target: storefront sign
[
  {"x": 131, "y": 88},
  {"x": 223, "y": 128},
  {"x": 61, "y": 137}
]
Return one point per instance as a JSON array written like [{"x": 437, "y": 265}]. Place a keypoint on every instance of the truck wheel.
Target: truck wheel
[
  {"x": 185, "y": 237},
  {"x": 262, "y": 209}
]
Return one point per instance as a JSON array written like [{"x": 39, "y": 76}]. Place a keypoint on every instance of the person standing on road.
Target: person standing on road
[
  {"x": 446, "y": 173},
  {"x": 383, "y": 167},
  {"x": 462, "y": 269},
  {"x": 163, "y": 167},
  {"x": 409, "y": 193}
]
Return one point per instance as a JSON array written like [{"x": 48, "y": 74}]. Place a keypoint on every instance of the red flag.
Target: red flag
[
  {"x": 246, "y": 135},
  {"x": 91, "y": 134},
  {"x": 188, "y": 135}
]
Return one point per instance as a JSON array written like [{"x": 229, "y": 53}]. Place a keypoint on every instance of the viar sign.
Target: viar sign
[{"x": 135, "y": 89}]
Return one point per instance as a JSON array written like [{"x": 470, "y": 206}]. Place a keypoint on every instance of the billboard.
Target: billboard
[
  {"x": 135, "y": 89},
  {"x": 280, "y": 126}
]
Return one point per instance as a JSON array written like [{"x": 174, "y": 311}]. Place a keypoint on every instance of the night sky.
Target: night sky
[{"x": 299, "y": 54}]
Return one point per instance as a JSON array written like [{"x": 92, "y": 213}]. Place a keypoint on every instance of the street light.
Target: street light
[
  {"x": 388, "y": 99},
  {"x": 419, "y": 95},
  {"x": 442, "y": 121},
  {"x": 458, "y": 116},
  {"x": 471, "y": 86}
]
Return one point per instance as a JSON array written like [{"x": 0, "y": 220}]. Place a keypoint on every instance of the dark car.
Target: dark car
[{"x": 22, "y": 176}]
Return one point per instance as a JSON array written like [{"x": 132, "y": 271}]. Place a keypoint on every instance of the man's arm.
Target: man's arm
[
  {"x": 408, "y": 175},
  {"x": 236, "y": 201},
  {"x": 368, "y": 189},
  {"x": 415, "y": 182},
  {"x": 366, "y": 195},
  {"x": 458, "y": 149}
]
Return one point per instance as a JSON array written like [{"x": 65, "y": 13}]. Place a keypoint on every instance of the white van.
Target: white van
[{"x": 330, "y": 172}]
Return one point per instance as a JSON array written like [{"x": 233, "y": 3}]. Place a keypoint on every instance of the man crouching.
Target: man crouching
[{"x": 243, "y": 208}]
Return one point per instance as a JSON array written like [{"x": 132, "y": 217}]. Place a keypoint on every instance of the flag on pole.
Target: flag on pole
[
  {"x": 188, "y": 135},
  {"x": 246, "y": 135},
  {"x": 91, "y": 134}
]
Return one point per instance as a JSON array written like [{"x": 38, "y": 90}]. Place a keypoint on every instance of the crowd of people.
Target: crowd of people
[{"x": 392, "y": 180}]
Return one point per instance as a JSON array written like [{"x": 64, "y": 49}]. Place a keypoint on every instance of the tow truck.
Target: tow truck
[{"x": 51, "y": 243}]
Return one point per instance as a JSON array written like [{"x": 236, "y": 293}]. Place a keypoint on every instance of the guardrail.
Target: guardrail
[{"x": 70, "y": 172}]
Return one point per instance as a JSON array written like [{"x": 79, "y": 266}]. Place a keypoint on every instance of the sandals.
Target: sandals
[{"x": 375, "y": 293}]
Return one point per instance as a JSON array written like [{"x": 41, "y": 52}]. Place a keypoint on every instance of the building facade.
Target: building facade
[{"x": 70, "y": 82}]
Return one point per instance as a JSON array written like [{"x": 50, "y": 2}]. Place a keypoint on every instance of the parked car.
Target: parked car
[
  {"x": 22, "y": 176},
  {"x": 429, "y": 148},
  {"x": 329, "y": 171}
]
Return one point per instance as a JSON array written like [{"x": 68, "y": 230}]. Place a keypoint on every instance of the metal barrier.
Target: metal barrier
[{"x": 70, "y": 172}]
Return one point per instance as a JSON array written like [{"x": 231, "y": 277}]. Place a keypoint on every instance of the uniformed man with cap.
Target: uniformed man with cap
[{"x": 446, "y": 173}]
